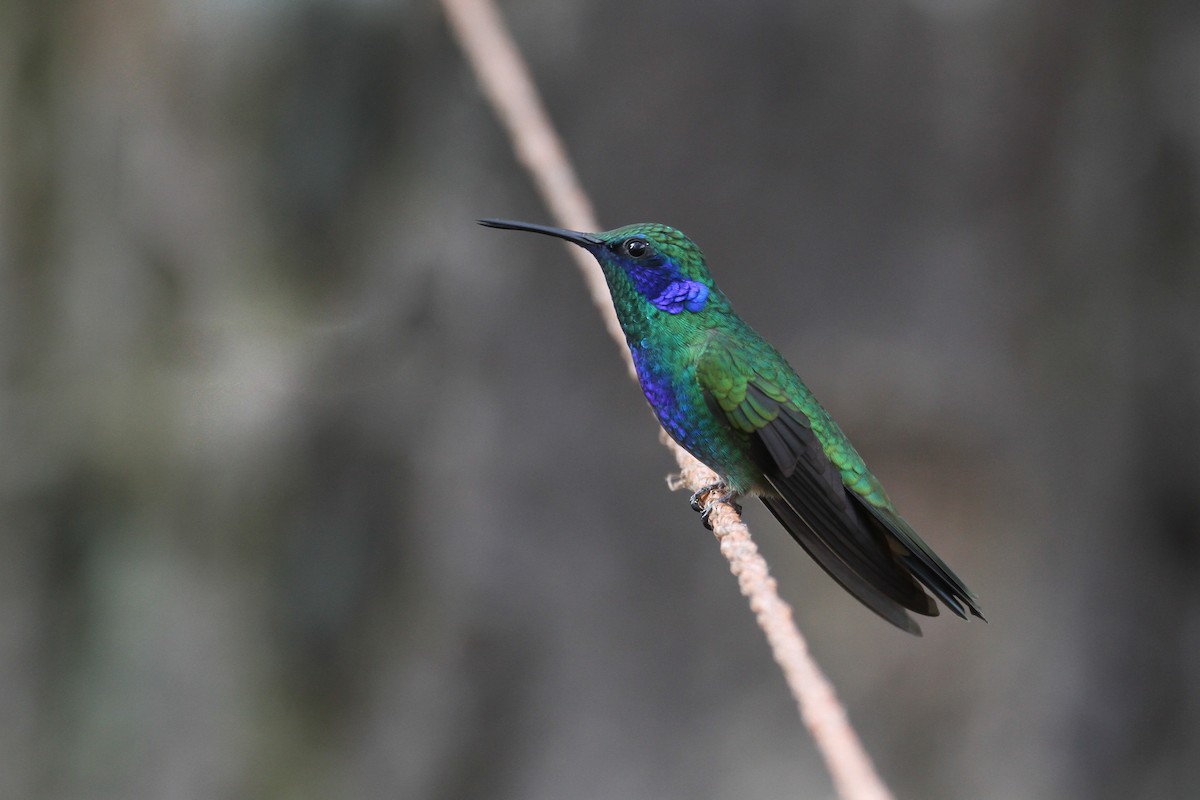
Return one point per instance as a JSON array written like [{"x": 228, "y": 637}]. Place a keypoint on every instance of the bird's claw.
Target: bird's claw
[{"x": 709, "y": 497}]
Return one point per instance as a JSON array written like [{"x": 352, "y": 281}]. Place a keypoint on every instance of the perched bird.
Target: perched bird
[{"x": 733, "y": 402}]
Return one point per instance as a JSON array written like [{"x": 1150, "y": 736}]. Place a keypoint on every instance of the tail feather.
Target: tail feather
[
  {"x": 925, "y": 564},
  {"x": 873, "y": 553},
  {"x": 838, "y": 569},
  {"x": 852, "y": 537}
]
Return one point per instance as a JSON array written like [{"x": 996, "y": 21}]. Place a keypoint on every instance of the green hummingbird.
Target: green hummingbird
[{"x": 732, "y": 401}]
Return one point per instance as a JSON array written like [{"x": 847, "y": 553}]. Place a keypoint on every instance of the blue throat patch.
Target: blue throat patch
[
  {"x": 681, "y": 295},
  {"x": 669, "y": 292}
]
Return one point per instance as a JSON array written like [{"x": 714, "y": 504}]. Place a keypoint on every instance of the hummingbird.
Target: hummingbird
[{"x": 732, "y": 401}]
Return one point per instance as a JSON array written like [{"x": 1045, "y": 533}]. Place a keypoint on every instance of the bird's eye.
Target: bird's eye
[{"x": 636, "y": 248}]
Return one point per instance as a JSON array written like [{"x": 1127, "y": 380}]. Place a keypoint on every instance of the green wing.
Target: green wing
[{"x": 822, "y": 493}]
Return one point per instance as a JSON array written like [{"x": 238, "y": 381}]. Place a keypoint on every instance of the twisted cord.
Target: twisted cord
[{"x": 506, "y": 83}]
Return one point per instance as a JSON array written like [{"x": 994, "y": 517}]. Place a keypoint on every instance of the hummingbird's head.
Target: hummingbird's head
[{"x": 658, "y": 263}]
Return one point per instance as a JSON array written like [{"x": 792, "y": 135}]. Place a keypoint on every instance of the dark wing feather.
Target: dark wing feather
[
  {"x": 810, "y": 498},
  {"x": 844, "y": 532},
  {"x": 838, "y": 569},
  {"x": 925, "y": 564},
  {"x": 814, "y": 492}
]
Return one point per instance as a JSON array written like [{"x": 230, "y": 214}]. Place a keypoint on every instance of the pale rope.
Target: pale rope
[{"x": 505, "y": 80}]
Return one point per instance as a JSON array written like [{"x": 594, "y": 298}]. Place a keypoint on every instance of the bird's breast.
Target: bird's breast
[
  {"x": 665, "y": 387},
  {"x": 673, "y": 391}
]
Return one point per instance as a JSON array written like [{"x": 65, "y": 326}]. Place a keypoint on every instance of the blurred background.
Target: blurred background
[{"x": 313, "y": 488}]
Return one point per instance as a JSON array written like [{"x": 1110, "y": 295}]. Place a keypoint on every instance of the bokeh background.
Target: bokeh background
[{"x": 312, "y": 488}]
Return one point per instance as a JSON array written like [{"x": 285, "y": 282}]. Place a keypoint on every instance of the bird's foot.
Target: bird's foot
[{"x": 709, "y": 497}]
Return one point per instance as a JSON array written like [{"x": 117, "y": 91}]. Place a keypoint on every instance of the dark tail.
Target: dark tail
[
  {"x": 844, "y": 573},
  {"x": 885, "y": 566}
]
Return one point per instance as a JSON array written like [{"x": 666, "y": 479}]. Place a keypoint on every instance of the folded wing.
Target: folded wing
[{"x": 868, "y": 549}]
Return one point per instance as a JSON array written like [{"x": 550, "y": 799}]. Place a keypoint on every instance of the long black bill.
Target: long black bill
[{"x": 584, "y": 240}]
